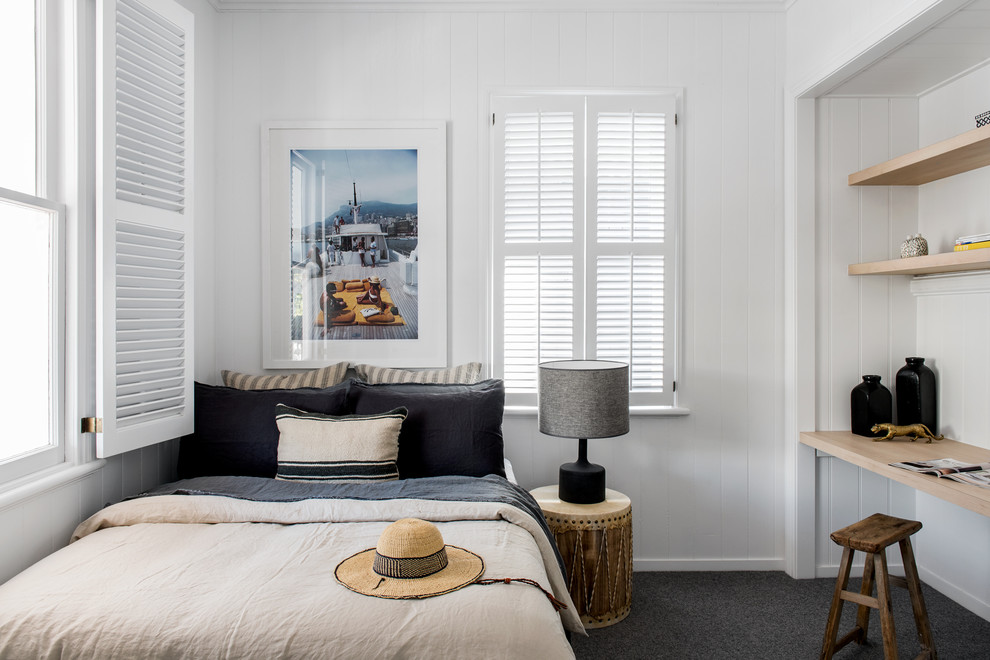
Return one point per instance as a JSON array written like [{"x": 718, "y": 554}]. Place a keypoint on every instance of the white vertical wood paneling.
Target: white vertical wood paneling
[
  {"x": 864, "y": 322},
  {"x": 703, "y": 486},
  {"x": 628, "y": 49},
  {"x": 706, "y": 178},
  {"x": 43, "y": 523},
  {"x": 519, "y": 48},
  {"x": 764, "y": 333},
  {"x": 735, "y": 285},
  {"x": 573, "y": 49},
  {"x": 655, "y": 52},
  {"x": 953, "y": 323},
  {"x": 546, "y": 49},
  {"x": 600, "y": 49}
]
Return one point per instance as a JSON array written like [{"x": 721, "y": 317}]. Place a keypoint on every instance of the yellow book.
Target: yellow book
[{"x": 971, "y": 246}]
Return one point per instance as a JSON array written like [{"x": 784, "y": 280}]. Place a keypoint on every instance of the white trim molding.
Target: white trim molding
[
  {"x": 951, "y": 283},
  {"x": 770, "y": 564},
  {"x": 570, "y": 6}
]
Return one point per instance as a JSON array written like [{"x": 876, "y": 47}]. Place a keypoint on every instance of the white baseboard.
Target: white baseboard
[
  {"x": 956, "y": 593},
  {"x": 708, "y": 564}
]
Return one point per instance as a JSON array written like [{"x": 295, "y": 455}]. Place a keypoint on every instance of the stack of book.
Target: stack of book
[{"x": 972, "y": 242}]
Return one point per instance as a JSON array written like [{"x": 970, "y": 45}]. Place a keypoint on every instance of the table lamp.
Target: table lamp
[{"x": 583, "y": 399}]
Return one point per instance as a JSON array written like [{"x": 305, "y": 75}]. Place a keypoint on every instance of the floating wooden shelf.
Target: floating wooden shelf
[
  {"x": 875, "y": 456},
  {"x": 959, "y": 154},
  {"x": 947, "y": 262}
]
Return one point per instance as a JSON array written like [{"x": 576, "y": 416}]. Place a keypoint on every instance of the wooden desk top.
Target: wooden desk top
[{"x": 875, "y": 456}]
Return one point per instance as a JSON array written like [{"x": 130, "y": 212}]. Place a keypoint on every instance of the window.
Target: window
[
  {"x": 31, "y": 275},
  {"x": 584, "y": 238}
]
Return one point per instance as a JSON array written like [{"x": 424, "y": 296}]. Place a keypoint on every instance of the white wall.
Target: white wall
[
  {"x": 706, "y": 488},
  {"x": 866, "y": 325},
  {"x": 869, "y": 324},
  {"x": 37, "y": 525},
  {"x": 823, "y": 36},
  {"x": 953, "y": 318}
]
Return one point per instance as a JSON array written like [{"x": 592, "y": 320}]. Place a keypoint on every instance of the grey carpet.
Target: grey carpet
[{"x": 766, "y": 615}]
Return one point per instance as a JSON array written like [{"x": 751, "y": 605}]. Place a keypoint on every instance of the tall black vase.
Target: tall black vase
[
  {"x": 870, "y": 403},
  {"x": 917, "y": 399}
]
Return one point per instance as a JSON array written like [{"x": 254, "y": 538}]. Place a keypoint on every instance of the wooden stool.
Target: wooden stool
[{"x": 872, "y": 535}]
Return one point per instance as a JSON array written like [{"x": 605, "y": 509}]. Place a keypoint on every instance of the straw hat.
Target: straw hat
[
  {"x": 374, "y": 280},
  {"x": 410, "y": 561}
]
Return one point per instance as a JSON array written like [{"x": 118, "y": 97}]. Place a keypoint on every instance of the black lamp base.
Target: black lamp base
[{"x": 581, "y": 482}]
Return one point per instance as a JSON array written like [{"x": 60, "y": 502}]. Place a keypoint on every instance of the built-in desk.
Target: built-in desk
[{"x": 875, "y": 457}]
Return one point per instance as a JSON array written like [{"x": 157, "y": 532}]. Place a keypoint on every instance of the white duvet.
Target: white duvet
[{"x": 179, "y": 576}]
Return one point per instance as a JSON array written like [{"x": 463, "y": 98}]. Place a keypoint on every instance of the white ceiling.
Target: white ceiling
[{"x": 954, "y": 46}]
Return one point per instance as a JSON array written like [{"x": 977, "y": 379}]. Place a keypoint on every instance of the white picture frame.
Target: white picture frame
[{"x": 311, "y": 157}]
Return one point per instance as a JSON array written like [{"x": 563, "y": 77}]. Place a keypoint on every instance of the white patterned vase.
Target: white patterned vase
[{"x": 914, "y": 246}]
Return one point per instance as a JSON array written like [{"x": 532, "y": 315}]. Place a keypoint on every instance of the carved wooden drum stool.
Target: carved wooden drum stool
[{"x": 595, "y": 541}]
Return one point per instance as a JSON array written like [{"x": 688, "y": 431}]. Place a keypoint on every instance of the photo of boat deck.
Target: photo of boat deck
[{"x": 354, "y": 243}]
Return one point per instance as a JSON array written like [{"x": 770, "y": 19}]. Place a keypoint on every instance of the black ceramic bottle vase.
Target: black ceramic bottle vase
[
  {"x": 917, "y": 401},
  {"x": 870, "y": 403}
]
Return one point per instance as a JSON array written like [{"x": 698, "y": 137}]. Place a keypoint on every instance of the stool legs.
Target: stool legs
[
  {"x": 863, "y": 614},
  {"x": 925, "y": 638},
  {"x": 875, "y": 570},
  {"x": 835, "y": 612},
  {"x": 883, "y": 597}
]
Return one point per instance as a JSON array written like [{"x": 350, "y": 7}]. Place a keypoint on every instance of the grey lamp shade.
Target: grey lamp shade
[{"x": 584, "y": 398}]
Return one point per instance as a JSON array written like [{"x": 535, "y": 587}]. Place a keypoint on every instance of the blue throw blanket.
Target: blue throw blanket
[{"x": 491, "y": 488}]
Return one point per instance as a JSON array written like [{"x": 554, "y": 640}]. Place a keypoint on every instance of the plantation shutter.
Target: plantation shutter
[
  {"x": 583, "y": 250},
  {"x": 630, "y": 242},
  {"x": 144, "y": 223},
  {"x": 540, "y": 223}
]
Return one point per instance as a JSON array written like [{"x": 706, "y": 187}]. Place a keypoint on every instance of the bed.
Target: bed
[{"x": 242, "y": 566}]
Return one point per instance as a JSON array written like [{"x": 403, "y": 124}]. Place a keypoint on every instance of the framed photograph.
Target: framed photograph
[{"x": 354, "y": 240}]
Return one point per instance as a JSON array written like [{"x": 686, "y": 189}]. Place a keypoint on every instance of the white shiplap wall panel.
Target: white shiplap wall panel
[
  {"x": 600, "y": 49},
  {"x": 546, "y": 48},
  {"x": 573, "y": 49},
  {"x": 519, "y": 48},
  {"x": 704, "y": 188},
  {"x": 764, "y": 335},
  {"x": 627, "y": 65},
  {"x": 704, "y": 487},
  {"x": 868, "y": 323},
  {"x": 734, "y": 285},
  {"x": 43, "y": 523},
  {"x": 655, "y": 52}
]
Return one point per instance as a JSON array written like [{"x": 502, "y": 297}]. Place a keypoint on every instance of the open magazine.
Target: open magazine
[{"x": 977, "y": 474}]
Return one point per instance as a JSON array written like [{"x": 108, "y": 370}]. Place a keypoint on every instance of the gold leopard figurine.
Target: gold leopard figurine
[{"x": 914, "y": 430}]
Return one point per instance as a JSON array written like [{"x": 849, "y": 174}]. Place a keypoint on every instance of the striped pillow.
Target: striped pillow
[
  {"x": 354, "y": 448},
  {"x": 462, "y": 374},
  {"x": 318, "y": 378}
]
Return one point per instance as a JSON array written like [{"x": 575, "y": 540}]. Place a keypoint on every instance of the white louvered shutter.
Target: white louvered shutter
[
  {"x": 144, "y": 223},
  {"x": 630, "y": 171},
  {"x": 540, "y": 223},
  {"x": 582, "y": 248}
]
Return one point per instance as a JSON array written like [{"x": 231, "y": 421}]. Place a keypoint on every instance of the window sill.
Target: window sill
[
  {"x": 635, "y": 411},
  {"x": 25, "y": 488}
]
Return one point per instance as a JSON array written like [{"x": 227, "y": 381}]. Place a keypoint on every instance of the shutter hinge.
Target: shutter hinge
[
  {"x": 674, "y": 387},
  {"x": 493, "y": 119},
  {"x": 675, "y": 119},
  {"x": 92, "y": 425}
]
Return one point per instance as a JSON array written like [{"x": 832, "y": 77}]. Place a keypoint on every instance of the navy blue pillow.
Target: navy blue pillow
[
  {"x": 235, "y": 432},
  {"x": 450, "y": 429}
]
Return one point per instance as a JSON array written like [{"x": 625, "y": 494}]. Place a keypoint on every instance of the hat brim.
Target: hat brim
[{"x": 463, "y": 568}]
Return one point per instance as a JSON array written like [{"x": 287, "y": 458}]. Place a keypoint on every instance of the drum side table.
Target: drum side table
[{"x": 595, "y": 541}]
